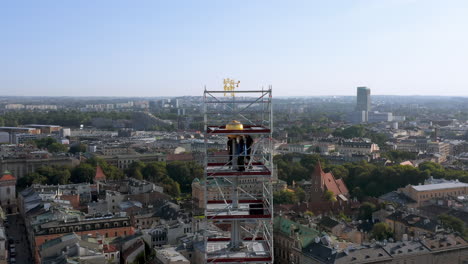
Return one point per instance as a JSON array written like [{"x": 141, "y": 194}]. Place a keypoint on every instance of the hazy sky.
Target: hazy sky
[{"x": 160, "y": 48}]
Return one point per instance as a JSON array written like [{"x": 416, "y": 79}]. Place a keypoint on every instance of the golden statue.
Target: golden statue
[{"x": 229, "y": 85}]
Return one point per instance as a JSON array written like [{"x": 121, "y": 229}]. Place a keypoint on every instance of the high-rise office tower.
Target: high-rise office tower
[{"x": 363, "y": 99}]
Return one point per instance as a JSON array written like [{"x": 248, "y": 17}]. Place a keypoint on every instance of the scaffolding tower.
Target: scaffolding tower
[{"x": 238, "y": 195}]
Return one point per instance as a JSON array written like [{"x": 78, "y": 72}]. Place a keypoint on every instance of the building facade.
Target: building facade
[
  {"x": 8, "y": 193},
  {"x": 426, "y": 192}
]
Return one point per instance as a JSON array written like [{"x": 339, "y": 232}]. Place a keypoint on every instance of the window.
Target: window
[{"x": 8, "y": 190}]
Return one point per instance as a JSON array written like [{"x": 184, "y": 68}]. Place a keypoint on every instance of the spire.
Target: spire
[{"x": 318, "y": 169}]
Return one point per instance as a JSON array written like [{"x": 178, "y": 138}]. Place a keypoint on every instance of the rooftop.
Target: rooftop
[
  {"x": 172, "y": 255},
  {"x": 7, "y": 177},
  {"x": 306, "y": 234},
  {"x": 36, "y": 125},
  {"x": 396, "y": 197},
  {"x": 17, "y": 128},
  {"x": 439, "y": 186}
]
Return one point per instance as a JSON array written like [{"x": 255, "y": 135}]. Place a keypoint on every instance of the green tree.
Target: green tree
[
  {"x": 44, "y": 142},
  {"x": 171, "y": 187},
  {"x": 399, "y": 156},
  {"x": 77, "y": 148},
  {"x": 355, "y": 131},
  {"x": 55, "y": 174},
  {"x": 290, "y": 169},
  {"x": 344, "y": 217},
  {"x": 452, "y": 222},
  {"x": 365, "y": 210},
  {"x": 111, "y": 172},
  {"x": 339, "y": 171},
  {"x": 85, "y": 172},
  {"x": 184, "y": 173},
  {"x": 381, "y": 231},
  {"x": 300, "y": 194},
  {"x": 29, "y": 179},
  {"x": 329, "y": 196},
  {"x": 284, "y": 197},
  {"x": 309, "y": 213},
  {"x": 57, "y": 147},
  {"x": 154, "y": 172},
  {"x": 358, "y": 193},
  {"x": 46, "y": 175},
  {"x": 135, "y": 170}
]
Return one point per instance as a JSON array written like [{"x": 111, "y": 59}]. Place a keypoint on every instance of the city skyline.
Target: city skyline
[{"x": 311, "y": 48}]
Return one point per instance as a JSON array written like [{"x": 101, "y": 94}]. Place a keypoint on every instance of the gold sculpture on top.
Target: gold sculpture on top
[
  {"x": 229, "y": 85},
  {"x": 234, "y": 125}
]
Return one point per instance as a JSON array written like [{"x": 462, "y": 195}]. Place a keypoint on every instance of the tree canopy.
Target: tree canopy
[
  {"x": 381, "y": 231},
  {"x": 365, "y": 210},
  {"x": 65, "y": 174},
  {"x": 363, "y": 178},
  {"x": 285, "y": 197},
  {"x": 452, "y": 222},
  {"x": 175, "y": 177},
  {"x": 399, "y": 156},
  {"x": 76, "y": 148}
]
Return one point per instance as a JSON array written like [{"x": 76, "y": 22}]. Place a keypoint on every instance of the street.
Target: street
[{"x": 16, "y": 232}]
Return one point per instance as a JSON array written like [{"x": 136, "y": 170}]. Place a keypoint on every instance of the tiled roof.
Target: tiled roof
[
  {"x": 331, "y": 184},
  {"x": 342, "y": 186},
  {"x": 100, "y": 176},
  {"x": 7, "y": 177}
]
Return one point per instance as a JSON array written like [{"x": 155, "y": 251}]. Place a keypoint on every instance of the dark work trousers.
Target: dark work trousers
[
  {"x": 229, "y": 147},
  {"x": 241, "y": 157},
  {"x": 248, "y": 143}
]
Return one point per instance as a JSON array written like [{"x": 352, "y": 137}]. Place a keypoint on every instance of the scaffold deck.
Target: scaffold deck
[{"x": 253, "y": 251}]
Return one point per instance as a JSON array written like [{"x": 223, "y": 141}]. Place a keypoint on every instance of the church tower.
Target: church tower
[{"x": 317, "y": 183}]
